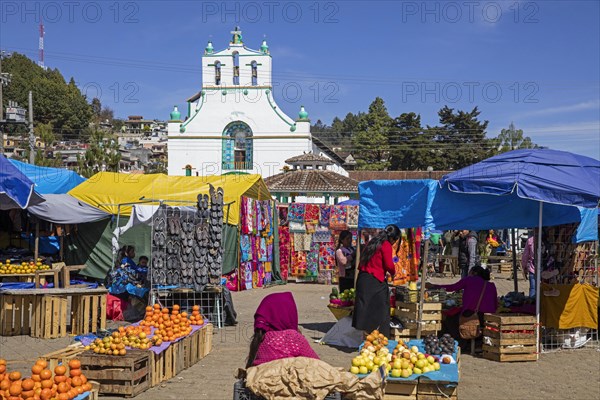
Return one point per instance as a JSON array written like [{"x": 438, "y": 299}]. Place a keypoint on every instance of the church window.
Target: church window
[
  {"x": 254, "y": 67},
  {"x": 237, "y": 147},
  {"x": 236, "y": 68},
  {"x": 218, "y": 73}
]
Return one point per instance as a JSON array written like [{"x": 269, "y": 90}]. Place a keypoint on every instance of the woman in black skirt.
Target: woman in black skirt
[{"x": 372, "y": 303}]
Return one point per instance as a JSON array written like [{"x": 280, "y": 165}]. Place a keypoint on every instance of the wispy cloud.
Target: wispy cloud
[
  {"x": 582, "y": 106},
  {"x": 578, "y": 137},
  {"x": 286, "y": 52}
]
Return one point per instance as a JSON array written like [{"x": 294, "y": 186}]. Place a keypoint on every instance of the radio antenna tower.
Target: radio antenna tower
[{"x": 41, "y": 45}]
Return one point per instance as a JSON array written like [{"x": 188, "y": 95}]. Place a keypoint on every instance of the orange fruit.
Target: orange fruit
[
  {"x": 14, "y": 376},
  {"x": 45, "y": 374},
  {"x": 43, "y": 363},
  {"x": 2, "y": 361},
  {"x": 46, "y": 394},
  {"x": 59, "y": 379},
  {"x": 74, "y": 364},
  {"x": 75, "y": 372},
  {"x": 4, "y": 384},
  {"x": 47, "y": 384},
  {"x": 15, "y": 389},
  {"x": 60, "y": 370},
  {"x": 27, "y": 384}
]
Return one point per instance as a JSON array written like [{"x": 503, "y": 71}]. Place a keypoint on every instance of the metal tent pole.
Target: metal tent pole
[
  {"x": 538, "y": 279},
  {"x": 423, "y": 282},
  {"x": 514, "y": 258}
]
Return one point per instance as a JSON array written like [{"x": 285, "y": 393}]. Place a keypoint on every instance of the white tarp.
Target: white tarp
[{"x": 140, "y": 214}]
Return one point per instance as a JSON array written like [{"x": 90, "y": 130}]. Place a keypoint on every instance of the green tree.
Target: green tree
[
  {"x": 43, "y": 161},
  {"x": 46, "y": 133},
  {"x": 412, "y": 146},
  {"x": 370, "y": 143},
  {"x": 461, "y": 139},
  {"x": 513, "y": 139},
  {"x": 102, "y": 155}
]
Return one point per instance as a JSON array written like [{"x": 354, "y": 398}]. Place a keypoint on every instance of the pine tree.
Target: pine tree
[{"x": 370, "y": 143}]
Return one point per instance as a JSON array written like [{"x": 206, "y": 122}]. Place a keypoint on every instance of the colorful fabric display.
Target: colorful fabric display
[
  {"x": 322, "y": 235},
  {"x": 312, "y": 260},
  {"x": 299, "y": 263},
  {"x": 262, "y": 250},
  {"x": 337, "y": 220},
  {"x": 269, "y": 278},
  {"x": 302, "y": 241},
  {"x": 245, "y": 217},
  {"x": 260, "y": 272},
  {"x": 296, "y": 212},
  {"x": 246, "y": 248},
  {"x": 325, "y": 212},
  {"x": 326, "y": 256},
  {"x": 311, "y": 228},
  {"x": 247, "y": 271},
  {"x": 311, "y": 213},
  {"x": 285, "y": 246},
  {"x": 352, "y": 217},
  {"x": 297, "y": 227}
]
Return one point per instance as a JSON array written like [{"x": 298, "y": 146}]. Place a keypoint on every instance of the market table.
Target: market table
[{"x": 45, "y": 313}]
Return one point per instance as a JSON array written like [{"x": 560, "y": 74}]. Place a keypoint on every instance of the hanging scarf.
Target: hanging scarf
[
  {"x": 337, "y": 219},
  {"x": 352, "y": 217},
  {"x": 322, "y": 235},
  {"x": 283, "y": 215},
  {"x": 326, "y": 256},
  {"x": 311, "y": 213},
  {"x": 296, "y": 212},
  {"x": 325, "y": 212}
]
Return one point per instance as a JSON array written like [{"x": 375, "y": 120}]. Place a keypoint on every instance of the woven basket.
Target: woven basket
[{"x": 340, "y": 312}]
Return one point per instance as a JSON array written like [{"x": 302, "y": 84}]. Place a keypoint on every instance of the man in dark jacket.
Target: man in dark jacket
[{"x": 467, "y": 251}]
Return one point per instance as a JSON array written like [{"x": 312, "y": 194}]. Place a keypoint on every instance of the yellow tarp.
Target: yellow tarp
[
  {"x": 106, "y": 190},
  {"x": 576, "y": 306}
]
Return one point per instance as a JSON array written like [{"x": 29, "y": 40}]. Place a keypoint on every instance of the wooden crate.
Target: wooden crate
[
  {"x": 410, "y": 311},
  {"x": 433, "y": 390},
  {"x": 397, "y": 334},
  {"x": 510, "y": 337},
  {"x": 88, "y": 313},
  {"x": 63, "y": 356},
  {"x": 15, "y": 316},
  {"x": 401, "y": 390},
  {"x": 127, "y": 375},
  {"x": 49, "y": 317},
  {"x": 164, "y": 365},
  {"x": 206, "y": 346}
]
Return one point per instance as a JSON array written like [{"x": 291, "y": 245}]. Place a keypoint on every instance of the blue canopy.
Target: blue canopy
[
  {"x": 351, "y": 202},
  {"x": 49, "y": 180},
  {"x": 550, "y": 176},
  {"x": 16, "y": 190},
  {"x": 412, "y": 203}
]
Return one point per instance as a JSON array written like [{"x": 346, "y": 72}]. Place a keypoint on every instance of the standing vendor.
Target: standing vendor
[
  {"x": 372, "y": 303},
  {"x": 344, "y": 259}
]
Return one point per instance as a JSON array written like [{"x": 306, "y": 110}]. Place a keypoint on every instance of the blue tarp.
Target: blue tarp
[
  {"x": 49, "y": 180},
  {"x": 16, "y": 190},
  {"x": 550, "y": 176},
  {"x": 412, "y": 203}
]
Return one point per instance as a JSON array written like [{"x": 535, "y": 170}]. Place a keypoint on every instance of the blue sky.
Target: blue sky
[{"x": 536, "y": 63}]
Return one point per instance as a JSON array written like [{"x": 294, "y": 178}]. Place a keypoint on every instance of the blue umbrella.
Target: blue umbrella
[
  {"x": 16, "y": 190},
  {"x": 543, "y": 176}
]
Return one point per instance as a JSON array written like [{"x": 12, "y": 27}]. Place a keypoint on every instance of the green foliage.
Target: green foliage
[
  {"x": 43, "y": 161},
  {"x": 370, "y": 142},
  {"x": 46, "y": 133},
  {"x": 54, "y": 101},
  {"x": 102, "y": 155},
  {"x": 513, "y": 139}
]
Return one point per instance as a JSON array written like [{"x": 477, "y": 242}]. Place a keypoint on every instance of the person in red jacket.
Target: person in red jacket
[{"x": 372, "y": 301}]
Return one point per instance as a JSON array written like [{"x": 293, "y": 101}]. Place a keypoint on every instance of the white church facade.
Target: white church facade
[{"x": 233, "y": 123}]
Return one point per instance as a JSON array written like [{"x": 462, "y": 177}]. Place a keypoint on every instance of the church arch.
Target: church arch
[{"x": 238, "y": 147}]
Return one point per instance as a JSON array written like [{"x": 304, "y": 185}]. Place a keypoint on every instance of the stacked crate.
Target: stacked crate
[
  {"x": 510, "y": 337},
  {"x": 408, "y": 314}
]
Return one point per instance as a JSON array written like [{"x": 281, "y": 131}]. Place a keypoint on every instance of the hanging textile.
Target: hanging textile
[
  {"x": 247, "y": 272},
  {"x": 311, "y": 213},
  {"x": 312, "y": 260},
  {"x": 262, "y": 249},
  {"x": 302, "y": 241},
  {"x": 337, "y": 219},
  {"x": 326, "y": 256},
  {"x": 285, "y": 246},
  {"x": 297, "y": 227},
  {"x": 325, "y": 212},
  {"x": 402, "y": 262},
  {"x": 414, "y": 240},
  {"x": 246, "y": 248},
  {"x": 322, "y": 235},
  {"x": 299, "y": 263},
  {"x": 311, "y": 228},
  {"x": 352, "y": 217},
  {"x": 296, "y": 212}
]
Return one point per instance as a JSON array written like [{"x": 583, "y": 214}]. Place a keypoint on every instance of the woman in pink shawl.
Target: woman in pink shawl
[{"x": 276, "y": 333}]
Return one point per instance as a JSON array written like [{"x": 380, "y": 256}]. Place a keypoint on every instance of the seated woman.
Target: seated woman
[
  {"x": 276, "y": 332},
  {"x": 474, "y": 286},
  {"x": 126, "y": 278},
  {"x": 282, "y": 365}
]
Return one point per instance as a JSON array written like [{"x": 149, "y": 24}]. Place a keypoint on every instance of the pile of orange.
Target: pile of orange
[
  {"x": 170, "y": 325},
  {"x": 41, "y": 385}
]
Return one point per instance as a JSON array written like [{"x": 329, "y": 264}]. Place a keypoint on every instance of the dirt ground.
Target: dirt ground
[{"x": 567, "y": 374}]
